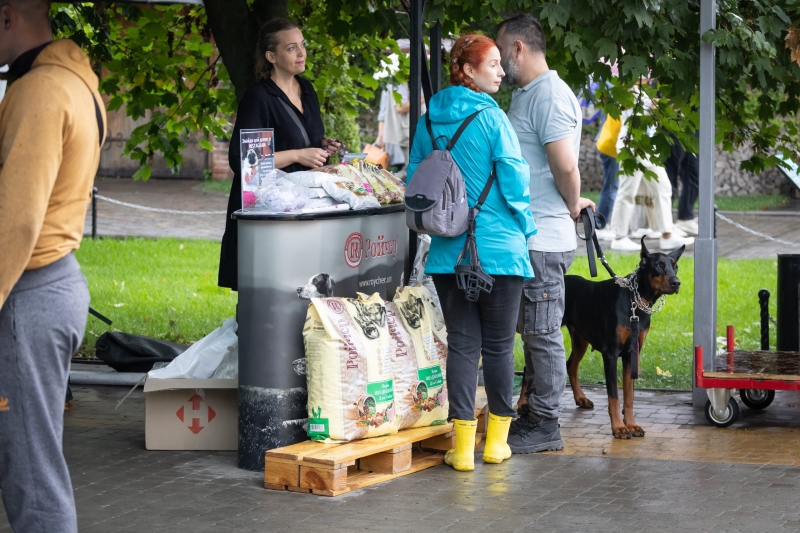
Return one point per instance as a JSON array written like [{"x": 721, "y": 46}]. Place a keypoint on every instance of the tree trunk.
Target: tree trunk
[{"x": 235, "y": 29}]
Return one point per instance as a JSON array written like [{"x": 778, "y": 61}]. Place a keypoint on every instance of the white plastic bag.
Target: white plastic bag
[
  {"x": 203, "y": 357},
  {"x": 229, "y": 367},
  {"x": 283, "y": 196}
]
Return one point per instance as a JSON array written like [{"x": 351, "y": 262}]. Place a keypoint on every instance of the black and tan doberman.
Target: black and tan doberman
[{"x": 599, "y": 314}]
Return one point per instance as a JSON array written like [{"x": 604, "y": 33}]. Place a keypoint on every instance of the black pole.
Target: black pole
[
  {"x": 94, "y": 212},
  {"x": 763, "y": 300},
  {"x": 436, "y": 57},
  {"x": 414, "y": 88}
]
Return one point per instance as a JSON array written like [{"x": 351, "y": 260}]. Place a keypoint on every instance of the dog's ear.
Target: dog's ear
[
  {"x": 645, "y": 253},
  {"x": 676, "y": 254}
]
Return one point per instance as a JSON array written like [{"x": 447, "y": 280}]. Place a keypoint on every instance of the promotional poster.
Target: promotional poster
[{"x": 258, "y": 159}]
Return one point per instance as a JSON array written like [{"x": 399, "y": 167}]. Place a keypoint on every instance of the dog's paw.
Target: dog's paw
[
  {"x": 584, "y": 403},
  {"x": 620, "y": 432},
  {"x": 635, "y": 430}
]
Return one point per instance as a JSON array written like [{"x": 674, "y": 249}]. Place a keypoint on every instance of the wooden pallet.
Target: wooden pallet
[{"x": 334, "y": 469}]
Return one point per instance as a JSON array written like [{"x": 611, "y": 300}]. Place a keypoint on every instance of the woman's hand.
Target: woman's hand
[
  {"x": 379, "y": 142},
  {"x": 312, "y": 157},
  {"x": 331, "y": 145}
]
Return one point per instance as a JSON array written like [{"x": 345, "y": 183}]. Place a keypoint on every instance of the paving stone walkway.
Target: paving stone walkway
[
  {"x": 114, "y": 220},
  {"x": 654, "y": 483},
  {"x": 185, "y": 195}
]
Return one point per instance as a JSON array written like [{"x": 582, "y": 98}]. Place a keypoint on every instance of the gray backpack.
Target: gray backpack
[{"x": 436, "y": 197}]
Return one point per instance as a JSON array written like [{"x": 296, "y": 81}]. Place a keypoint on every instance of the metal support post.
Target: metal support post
[
  {"x": 436, "y": 58},
  {"x": 414, "y": 89},
  {"x": 705, "y": 270},
  {"x": 94, "y": 212}
]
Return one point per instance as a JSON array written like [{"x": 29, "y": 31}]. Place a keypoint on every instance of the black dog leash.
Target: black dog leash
[{"x": 591, "y": 223}]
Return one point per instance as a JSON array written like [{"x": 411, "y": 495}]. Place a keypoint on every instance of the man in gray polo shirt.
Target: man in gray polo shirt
[{"x": 546, "y": 116}]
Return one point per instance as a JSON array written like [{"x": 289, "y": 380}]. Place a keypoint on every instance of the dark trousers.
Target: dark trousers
[
  {"x": 683, "y": 165},
  {"x": 486, "y": 327},
  {"x": 610, "y": 185}
]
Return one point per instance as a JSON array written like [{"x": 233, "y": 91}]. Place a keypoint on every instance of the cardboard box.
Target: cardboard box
[{"x": 191, "y": 414}]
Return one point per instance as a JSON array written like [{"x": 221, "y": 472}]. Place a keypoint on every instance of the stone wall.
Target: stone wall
[{"x": 730, "y": 179}]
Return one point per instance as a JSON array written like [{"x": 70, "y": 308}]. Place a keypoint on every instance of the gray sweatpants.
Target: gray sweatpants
[
  {"x": 41, "y": 327},
  {"x": 540, "y": 318}
]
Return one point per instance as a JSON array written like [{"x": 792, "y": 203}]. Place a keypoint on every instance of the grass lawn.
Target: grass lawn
[
  {"x": 767, "y": 202},
  {"x": 167, "y": 288},
  {"x": 216, "y": 185},
  {"x": 162, "y": 288},
  {"x": 669, "y": 343}
]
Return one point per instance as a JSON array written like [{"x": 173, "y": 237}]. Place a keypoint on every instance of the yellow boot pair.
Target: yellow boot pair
[{"x": 462, "y": 457}]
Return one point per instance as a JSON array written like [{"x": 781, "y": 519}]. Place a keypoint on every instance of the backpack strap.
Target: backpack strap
[
  {"x": 485, "y": 192},
  {"x": 430, "y": 129},
  {"x": 461, "y": 129}
]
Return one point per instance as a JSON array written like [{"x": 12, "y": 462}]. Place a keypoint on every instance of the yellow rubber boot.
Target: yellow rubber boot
[
  {"x": 462, "y": 457},
  {"x": 496, "y": 449}
]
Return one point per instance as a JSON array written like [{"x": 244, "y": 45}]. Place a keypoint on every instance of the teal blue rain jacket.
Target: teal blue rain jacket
[{"x": 505, "y": 222}]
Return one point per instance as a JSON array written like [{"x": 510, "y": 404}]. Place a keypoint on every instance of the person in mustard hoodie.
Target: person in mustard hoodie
[{"x": 51, "y": 128}]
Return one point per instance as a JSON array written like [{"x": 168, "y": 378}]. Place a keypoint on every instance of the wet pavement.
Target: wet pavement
[{"x": 683, "y": 475}]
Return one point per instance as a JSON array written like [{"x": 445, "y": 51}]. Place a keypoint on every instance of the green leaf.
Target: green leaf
[
  {"x": 143, "y": 173},
  {"x": 205, "y": 145},
  {"x": 781, "y": 14}
]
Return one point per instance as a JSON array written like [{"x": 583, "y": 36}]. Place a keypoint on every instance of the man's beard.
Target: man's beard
[{"x": 511, "y": 69}]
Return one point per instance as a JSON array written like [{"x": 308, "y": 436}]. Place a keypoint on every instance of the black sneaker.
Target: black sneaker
[
  {"x": 526, "y": 420},
  {"x": 534, "y": 434}
]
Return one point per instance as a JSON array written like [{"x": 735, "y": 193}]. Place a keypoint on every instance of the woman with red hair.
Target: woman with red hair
[{"x": 485, "y": 327}]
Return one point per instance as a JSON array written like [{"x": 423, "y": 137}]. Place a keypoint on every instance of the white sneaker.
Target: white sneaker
[
  {"x": 689, "y": 227},
  {"x": 678, "y": 232},
  {"x": 625, "y": 245},
  {"x": 605, "y": 234},
  {"x": 641, "y": 232},
  {"x": 674, "y": 242}
]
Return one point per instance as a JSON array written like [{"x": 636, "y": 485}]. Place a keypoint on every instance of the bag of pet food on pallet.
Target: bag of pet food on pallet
[
  {"x": 419, "y": 344},
  {"x": 349, "y": 369}
]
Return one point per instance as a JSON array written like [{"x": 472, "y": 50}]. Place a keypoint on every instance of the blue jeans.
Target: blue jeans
[{"x": 610, "y": 184}]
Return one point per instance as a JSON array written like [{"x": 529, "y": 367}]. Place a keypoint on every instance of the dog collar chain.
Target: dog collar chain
[{"x": 630, "y": 283}]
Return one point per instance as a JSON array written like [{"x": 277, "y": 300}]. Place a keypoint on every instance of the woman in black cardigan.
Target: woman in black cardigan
[{"x": 268, "y": 104}]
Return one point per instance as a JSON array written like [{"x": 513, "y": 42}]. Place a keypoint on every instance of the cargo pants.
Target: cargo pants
[{"x": 540, "y": 316}]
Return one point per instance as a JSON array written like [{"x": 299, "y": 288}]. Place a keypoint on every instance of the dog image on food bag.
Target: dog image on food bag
[
  {"x": 370, "y": 317},
  {"x": 598, "y": 314},
  {"x": 412, "y": 310}
]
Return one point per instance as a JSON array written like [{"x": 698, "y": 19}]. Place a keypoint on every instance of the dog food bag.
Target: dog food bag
[
  {"x": 349, "y": 369},
  {"x": 386, "y": 193},
  {"x": 419, "y": 347},
  {"x": 347, "y": 185}
]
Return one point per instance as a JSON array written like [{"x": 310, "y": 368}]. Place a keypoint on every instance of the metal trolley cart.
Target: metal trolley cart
[{"x": 756, "y": 374}]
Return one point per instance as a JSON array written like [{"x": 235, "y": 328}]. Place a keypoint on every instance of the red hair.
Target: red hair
[{"x": 470, "y": 49}]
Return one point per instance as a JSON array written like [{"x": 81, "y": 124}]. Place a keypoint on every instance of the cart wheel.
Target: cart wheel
[
  {"x": 757, "y": 398},
  {"x": 731, "y": 414}
]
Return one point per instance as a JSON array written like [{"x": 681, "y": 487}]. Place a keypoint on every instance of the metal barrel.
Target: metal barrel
[
  {"x": 788, "y": 327},
  {"x": 280, "y": 260}
]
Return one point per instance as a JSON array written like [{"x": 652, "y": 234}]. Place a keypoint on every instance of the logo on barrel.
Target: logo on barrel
[
  {"x": 356, "y": 248},
  {"x": 336, "y": 307},
  {"x": 353, "y": 248}
]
